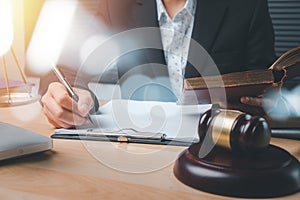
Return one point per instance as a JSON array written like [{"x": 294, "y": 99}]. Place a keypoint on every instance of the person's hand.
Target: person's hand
[
  {"x": 276, "y": 107},
  {"x": 61, "y": 110},
  {"x": 261, "y": 105},
  {"x": 251, "y": 105}
]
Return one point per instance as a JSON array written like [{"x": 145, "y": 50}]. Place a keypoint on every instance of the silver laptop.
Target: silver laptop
[{"x": 16, "y": 141}]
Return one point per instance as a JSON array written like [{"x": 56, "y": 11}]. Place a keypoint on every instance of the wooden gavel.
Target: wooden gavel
[{"x": 235, "y": 130}]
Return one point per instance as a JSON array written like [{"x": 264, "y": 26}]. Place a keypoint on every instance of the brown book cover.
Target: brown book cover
[{"x": 232, "y": 86}]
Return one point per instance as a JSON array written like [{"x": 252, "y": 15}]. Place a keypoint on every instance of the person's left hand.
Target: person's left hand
[
  {"x": 260, "y": 105},
  {"x": 251, "y": 105}
]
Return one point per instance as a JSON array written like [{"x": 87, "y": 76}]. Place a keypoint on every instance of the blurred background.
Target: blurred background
[{"x": 32, "y": 10}]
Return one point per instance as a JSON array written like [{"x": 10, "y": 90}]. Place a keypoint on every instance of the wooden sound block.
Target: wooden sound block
[{"x": 271, "y": 173}]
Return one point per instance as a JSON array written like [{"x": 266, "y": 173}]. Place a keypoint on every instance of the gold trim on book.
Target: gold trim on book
[{"x": 221, "y": 127}]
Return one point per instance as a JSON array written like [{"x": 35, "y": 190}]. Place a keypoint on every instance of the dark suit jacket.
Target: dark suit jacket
[{"x": 236, "y": 34}]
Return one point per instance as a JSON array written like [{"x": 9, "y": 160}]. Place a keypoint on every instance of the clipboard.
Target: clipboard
[
  {"x": 127, "y": 135},
  {"x": 146, "y": 122}
]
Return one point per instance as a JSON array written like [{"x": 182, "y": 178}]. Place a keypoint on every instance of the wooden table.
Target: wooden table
[{"x": 96, "y": 170}]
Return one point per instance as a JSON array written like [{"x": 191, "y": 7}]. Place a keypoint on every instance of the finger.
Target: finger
[
  {"x": 51, "y": 119},
  {"x": 58, "y": 124},
  {"x": 262, "y": 103},
  {"x": 65, "y": 119},
  {"x": 60, "y": 95},
  {"x": 57, "y": 111},
  {"x": 65, "y": 116},
  {"x": 85, "y": 102},
  {"x": 252, "y": 101},
  {"x": 60, "y": 115}
]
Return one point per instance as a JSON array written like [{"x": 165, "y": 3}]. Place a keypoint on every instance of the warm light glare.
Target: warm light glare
[
  {"x": 6, "y": 26},
  {"x": 49, "y": 35}
]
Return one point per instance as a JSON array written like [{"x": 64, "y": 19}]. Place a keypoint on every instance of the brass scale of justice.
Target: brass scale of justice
[{"x": 16, "y": 95}]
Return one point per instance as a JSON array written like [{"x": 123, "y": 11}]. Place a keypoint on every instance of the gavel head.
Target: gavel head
[{"x": 235, "y": 130}]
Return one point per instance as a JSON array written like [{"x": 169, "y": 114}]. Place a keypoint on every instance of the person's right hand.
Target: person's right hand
[{"x": 61, "y": 110}]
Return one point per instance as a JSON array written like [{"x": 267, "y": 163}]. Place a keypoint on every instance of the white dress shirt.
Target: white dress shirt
[{"x": 176, "y": 35}]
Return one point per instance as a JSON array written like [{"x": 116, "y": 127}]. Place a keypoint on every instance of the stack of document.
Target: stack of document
[{"x": 143, "y": 122}]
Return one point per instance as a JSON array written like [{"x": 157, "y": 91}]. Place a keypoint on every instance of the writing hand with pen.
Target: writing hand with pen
[
  {"x": 64, "y": 106},
  {"x": 62, "y": 110}
]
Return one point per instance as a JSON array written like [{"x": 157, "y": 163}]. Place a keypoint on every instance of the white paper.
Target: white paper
[{"x": 177, "y": 122}]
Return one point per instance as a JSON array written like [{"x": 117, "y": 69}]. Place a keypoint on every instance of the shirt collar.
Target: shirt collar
[
  {"x": 190, "y": 6},
  {"x": 160, "y": 9}
]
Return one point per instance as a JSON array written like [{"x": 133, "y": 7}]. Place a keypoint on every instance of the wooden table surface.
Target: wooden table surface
[{"x": 96, "y": 170}]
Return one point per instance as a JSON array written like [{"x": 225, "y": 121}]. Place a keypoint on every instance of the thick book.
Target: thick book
[{"x": 232, "y": 86}]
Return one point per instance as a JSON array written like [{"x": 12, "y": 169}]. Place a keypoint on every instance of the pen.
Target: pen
[{"x": 68, "y": 86}]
